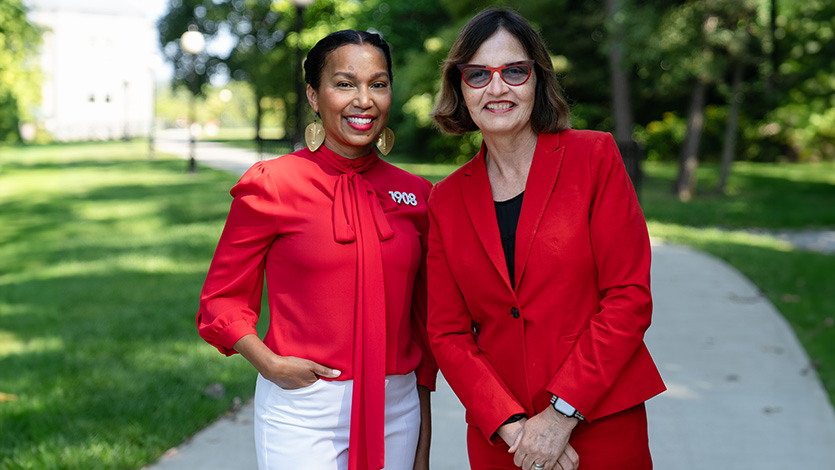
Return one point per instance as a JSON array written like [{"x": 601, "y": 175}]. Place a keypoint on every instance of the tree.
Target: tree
[
  {"x": 264, "y": 44},
  {"x": 739, "y": 38},
  {"x": 687, "y": 57},
  {"x": 319, "y": 19},
  {"x": 657, "y": 56},
  {"x": 618, "y": 77},
  {"x": 420, "y": 33},
  {"x": 620, "y": 85},
  {"x": 729, "y": 146},
  {"x": 190, "y": 72},
  {"x": 699, "y": 43},
  {"x": 577, "y": 39},
  {"x": 803, "y": 121},
  {"x": 728, "y": 31},
  {"x": 256, "y": 57},
  {"x": 685, "y": 186},
  {"x": 19, "y": 73}
]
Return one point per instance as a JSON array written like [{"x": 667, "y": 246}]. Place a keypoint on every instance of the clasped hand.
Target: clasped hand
[{"x": 542, "y": 441}]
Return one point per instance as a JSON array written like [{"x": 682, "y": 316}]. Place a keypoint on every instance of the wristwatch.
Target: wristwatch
[{"x": 565, "y": 409}]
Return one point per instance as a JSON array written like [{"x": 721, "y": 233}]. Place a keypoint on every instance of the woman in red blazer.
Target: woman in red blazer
[{"x": 539, "y": 261}]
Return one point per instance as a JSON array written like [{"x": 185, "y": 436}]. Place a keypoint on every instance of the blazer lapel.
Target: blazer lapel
[
  {"x": 542, "y": 178},
  {"x": 478, "y": 200}
]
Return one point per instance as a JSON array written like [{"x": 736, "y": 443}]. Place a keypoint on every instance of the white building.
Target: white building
[{"x": 98, "y": 61}]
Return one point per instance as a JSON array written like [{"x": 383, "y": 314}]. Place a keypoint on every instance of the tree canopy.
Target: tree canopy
[
  {"x": 19, "y": 76},
  {"x": 766, "y": 65}
]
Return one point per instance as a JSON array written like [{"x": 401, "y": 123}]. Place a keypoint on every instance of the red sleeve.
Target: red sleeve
[
  {"x": 427, "y": 370},
  {"x": 621, "y": 249},
  {"x": 231, "y": 299},
  {"x": 482, "y": 392}
]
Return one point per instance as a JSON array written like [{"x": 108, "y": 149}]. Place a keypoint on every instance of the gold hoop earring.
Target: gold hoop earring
[
  {"x": 385, "y": 141},
  {"x": 314, "y": 136}
]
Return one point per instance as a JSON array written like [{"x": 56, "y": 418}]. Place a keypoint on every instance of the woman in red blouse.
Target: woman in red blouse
[{"x": 345, "y": 368}]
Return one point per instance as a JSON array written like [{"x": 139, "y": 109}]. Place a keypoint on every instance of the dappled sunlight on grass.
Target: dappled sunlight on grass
[
  {"x": 818, "y": 172},
  {"x": 128, "y": 263},
  {"x": 103, "y": 254},
  {"x": 434, "y": 172},
  {"x": 15, "y": 344},
  {"x": 758, "y": 195},
  {"x": 102, "y": 257},
  {"x": 691, "y": 235},
  {"x": 99, "y": 211}
]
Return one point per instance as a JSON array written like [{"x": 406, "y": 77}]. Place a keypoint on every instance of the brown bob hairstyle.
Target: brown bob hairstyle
[{"x": 550, "y": 111}]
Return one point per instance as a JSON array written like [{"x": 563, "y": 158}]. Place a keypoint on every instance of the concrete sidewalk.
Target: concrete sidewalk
[{"x": 742, "y": 393}]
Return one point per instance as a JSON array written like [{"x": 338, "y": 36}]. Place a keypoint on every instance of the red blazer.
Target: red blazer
[{"x": 575, "y": 324}]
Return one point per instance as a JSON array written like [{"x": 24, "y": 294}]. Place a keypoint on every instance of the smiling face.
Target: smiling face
[
  {"x": 500, "y": 108},
  {"x": 353, "y": 99}
]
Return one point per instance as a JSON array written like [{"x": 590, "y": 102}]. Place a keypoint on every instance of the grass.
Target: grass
[
  {"x": 784, "y": 196},
  {"x": 434, "y": 172},
  {"x": 102, "y": 257},
  {"x": 103, "y": 254},
  {"x": 245, "y": 138}
]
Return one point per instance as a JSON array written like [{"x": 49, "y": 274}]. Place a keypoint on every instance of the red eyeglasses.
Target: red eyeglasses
[{"x": 479, "y": 76}]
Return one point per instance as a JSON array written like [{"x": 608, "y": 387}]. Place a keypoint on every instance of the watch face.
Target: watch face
[{"x": 564, "y": 408}]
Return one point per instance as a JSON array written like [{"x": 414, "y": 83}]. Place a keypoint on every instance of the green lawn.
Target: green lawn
[
  {"x": 245, "y": 138},
  {"x": 103, "y": 254},
  {"x": 434, "y": 172},
  {"x": 102, "y": 257},
  {"x": 785, "y": 196}
]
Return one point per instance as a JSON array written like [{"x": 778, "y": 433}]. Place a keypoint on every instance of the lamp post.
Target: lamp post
[
  {"x": 126, "y": 104},
  {"x": 298, "y": 135},
  {"x": 192, "y": 42},
  {"x": 152, "y": 124}
]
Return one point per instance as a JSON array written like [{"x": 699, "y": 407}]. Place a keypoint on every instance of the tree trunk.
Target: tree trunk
[
  {"x": 730, "y": 128},
  {"x": 618, "y": 78},
  {"x": 772, "y": 73},
  {"x": 689, "y": 161},
  {"x": 259, "y": 113},
  {"x": 621, "y": 104}
]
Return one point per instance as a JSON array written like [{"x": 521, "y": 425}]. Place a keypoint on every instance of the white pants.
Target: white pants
[{"x": 308, "y": 428}]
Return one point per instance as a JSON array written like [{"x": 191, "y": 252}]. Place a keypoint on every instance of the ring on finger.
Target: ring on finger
[{"x": 537, "y": 466}]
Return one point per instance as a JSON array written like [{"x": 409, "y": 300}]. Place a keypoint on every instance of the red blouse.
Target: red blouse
[{"x": 343, "y": 244}]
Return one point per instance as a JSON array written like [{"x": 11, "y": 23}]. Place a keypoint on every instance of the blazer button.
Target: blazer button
[{"x": 515, "y": 312}]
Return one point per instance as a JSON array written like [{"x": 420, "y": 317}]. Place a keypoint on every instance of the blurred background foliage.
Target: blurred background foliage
[
  {"x": 754, "y": 79},
  {"x": 782, "y": 50},
  {"x": 19, "y": 75}
]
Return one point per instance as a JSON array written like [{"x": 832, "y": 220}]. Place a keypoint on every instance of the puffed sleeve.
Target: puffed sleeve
[
  {"x": 231, "y": 299},
  {"x": 427, "y": 370},
  {"x": 621, "y": 248}
]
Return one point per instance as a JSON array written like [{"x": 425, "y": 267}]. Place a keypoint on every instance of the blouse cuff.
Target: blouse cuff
[{"x": 228, "y": 336}]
